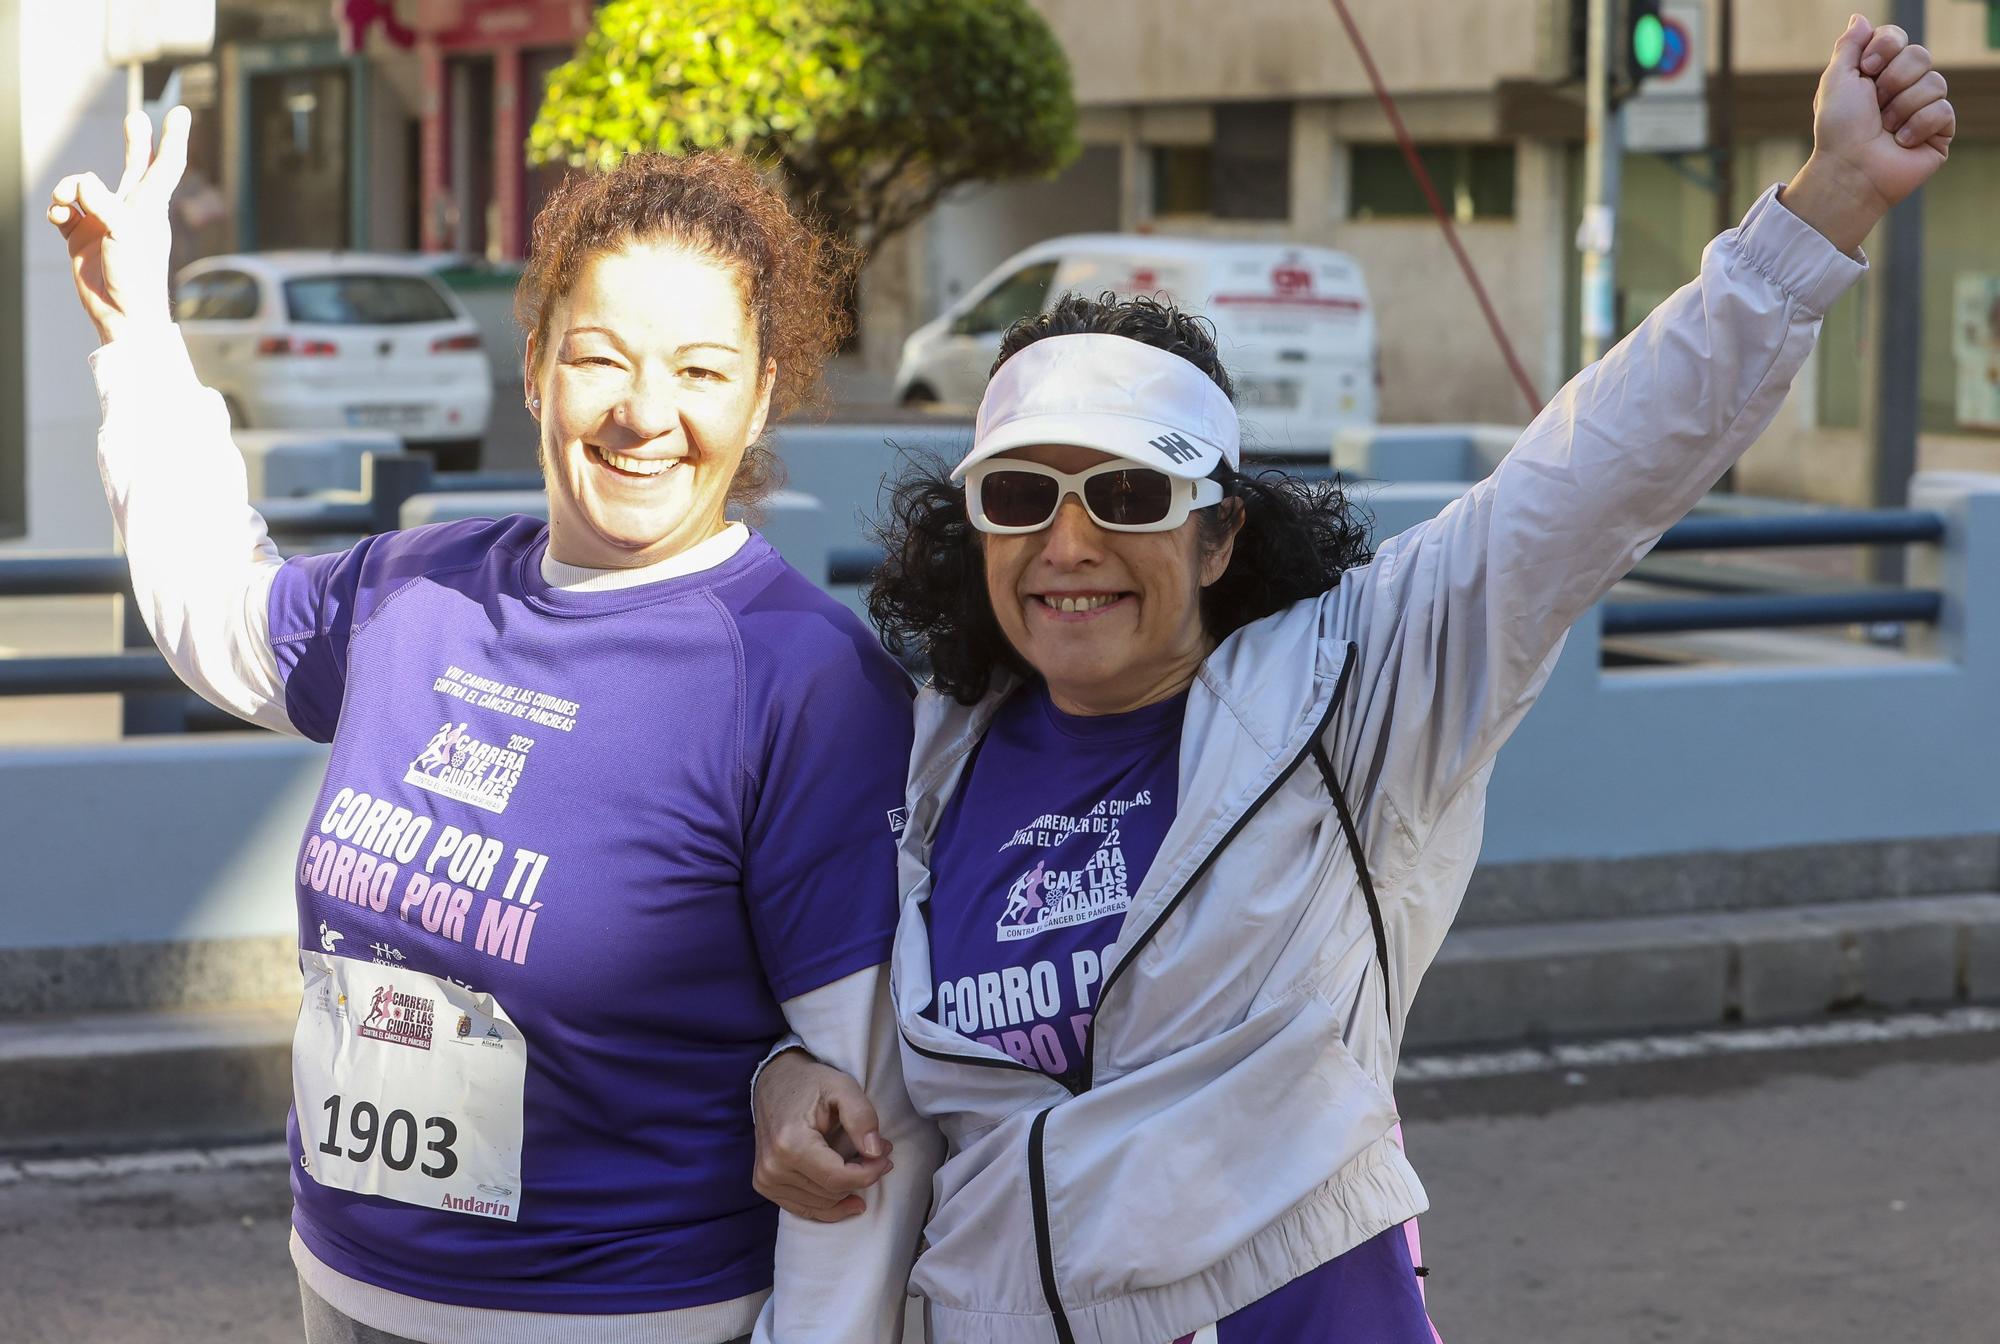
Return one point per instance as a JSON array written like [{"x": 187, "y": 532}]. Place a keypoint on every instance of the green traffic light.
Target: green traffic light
[{"x": 1649, "y": 42}]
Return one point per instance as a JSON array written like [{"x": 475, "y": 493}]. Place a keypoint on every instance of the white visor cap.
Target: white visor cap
[{"x": 1111, "y": 393}]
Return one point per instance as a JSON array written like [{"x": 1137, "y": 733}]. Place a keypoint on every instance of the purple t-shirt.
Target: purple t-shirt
[
  {"x": 686, "y": 793},
  {"x": 1053, "y": 827},
  {"x": 1037, "y": 855}
]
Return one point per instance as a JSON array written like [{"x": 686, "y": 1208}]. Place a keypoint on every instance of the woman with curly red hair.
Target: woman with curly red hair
[{"x": 652, "y": 835}]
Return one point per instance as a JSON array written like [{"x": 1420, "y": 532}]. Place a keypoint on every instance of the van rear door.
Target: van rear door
[{"x": 1298, "y": 336}]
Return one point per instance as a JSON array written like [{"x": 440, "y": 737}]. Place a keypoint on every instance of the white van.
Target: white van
[{"x": 1294, "y": 324}]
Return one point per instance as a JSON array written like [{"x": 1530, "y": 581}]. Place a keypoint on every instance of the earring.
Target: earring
[{"x": 535, "y": 405}]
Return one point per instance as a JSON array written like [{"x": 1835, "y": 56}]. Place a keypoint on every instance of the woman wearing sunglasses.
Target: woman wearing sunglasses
[{"x": 1198, "y": 786}]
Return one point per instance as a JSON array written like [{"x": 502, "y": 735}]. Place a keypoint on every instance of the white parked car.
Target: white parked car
[
  {"x": 1295, "y": 326},
  {"x": 339, "y": 340}
]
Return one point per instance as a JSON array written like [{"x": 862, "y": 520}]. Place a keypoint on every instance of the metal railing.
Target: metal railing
[
  {"x": 853, "y": 566},
  {"x": 1852, "y": 527},
  {"x": 155, "y": 699},
  {"x": 1739, "y": 598},
  {"x": 1797, "y": 604},
  {"x": 1772, "y": 611}
]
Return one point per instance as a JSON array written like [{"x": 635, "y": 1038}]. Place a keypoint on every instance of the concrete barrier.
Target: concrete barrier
[
  {"x": 1646, "y": 761},
  {"x": 150, "y": 840},
  {"x": 285, "y": 463},
  {"x": 1613, "y": 766},
  {"x": 844, "y": 466},
  {"x": 793, "y": 522},
  {"x": 158, "y": 872},
  {"x": 457, "y": 506},
  {"x": 1462, "y": 453}
]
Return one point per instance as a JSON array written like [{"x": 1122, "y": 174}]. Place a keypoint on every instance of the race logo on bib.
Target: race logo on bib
[
  {"x": 459, "y": 766},
  {"x": 404, "y": 1019}
]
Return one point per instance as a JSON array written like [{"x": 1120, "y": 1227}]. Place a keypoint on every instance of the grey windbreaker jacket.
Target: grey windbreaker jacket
[{"x": 1233, "y": 1131}]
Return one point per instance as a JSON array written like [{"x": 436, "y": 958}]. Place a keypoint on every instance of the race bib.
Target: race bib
[{"x": 408, "y": 1087}]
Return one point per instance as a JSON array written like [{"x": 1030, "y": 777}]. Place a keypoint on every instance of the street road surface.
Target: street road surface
[{"x": 1814, "y": 1197}]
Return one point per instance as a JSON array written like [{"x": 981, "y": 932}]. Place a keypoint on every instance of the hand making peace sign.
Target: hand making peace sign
[{"x": 118, "y": 240}]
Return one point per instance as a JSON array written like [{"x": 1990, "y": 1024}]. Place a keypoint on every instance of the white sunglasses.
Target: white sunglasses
[{"x": 1009, "y": 496}]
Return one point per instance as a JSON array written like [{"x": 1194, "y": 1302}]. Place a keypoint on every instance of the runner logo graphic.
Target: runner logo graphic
[
  {"x": 403, "y": 1019},
  {"x": 459, "y": 766},
  {"x": 1041, "y": 899}
]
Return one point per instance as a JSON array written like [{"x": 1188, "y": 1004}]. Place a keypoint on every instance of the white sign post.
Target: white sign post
[
  {"x": 137, "y": 31},
  {"x": 1669, "y": 113}
]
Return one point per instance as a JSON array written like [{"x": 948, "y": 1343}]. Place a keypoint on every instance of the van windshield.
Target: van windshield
[{"x": 1019, "y": 295}]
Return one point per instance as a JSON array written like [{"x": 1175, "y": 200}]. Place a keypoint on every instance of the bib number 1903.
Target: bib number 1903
[
  {"x": 408, "y": 1087},
  {"x": 392, "y": 1137}
]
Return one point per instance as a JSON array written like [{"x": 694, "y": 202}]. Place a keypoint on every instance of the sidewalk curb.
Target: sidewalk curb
[
  {"x": 104, "y": 1081},
  {"x": 110, "y": 1080},
  {"x": 1530, "y": 982}
]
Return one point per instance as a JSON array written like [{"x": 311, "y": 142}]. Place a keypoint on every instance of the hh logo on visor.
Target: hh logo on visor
[{"x": 1176, "y": 447}]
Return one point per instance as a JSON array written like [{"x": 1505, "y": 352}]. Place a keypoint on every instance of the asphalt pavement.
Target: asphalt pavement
[{"x": 1842, "y": 1192}]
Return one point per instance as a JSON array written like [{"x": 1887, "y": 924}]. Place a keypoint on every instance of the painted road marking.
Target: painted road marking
[{"x": 1698, "y": 1045}]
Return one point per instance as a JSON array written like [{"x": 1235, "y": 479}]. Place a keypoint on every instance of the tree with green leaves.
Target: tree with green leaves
[{"x": 870, "y": 110}]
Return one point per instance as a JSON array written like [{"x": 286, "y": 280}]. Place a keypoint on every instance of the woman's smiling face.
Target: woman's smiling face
[
  {"x": 651, "y": 388},
  {"x": 1111, "y": 620}
]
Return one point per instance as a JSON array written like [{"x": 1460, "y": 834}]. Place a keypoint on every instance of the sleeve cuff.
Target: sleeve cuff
[
  {"x": 1794, "y": 255},
  {"x": 790, "y": 1042},
  {"x": 150, "y": 362}
]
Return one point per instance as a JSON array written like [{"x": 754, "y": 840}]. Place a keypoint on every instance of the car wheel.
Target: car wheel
[
  {"x": 919, "y": 394},
  {"x": 453, "y": 454}
]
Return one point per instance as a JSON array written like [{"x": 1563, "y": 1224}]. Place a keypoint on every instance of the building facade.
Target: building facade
[
  {"x": 59, "y": 113},
  {"x": 1265, "y": 125},
  {"x": 484, "y": 65}
]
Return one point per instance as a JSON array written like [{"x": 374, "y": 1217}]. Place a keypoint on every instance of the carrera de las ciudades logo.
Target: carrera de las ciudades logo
[
  {"x": 459, "y": 766},
  {"x": 399, "y": 1018},
  {"x": 1058, "y": 891}
]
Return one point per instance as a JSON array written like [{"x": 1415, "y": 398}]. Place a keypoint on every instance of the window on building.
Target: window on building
[
  {"x": 300, "y": 158},
  {"x": 1253, "y": 161},
  {"x": 1245, "y": 174},
  {"x": 1474, "y": 181},
  {"x": 1183, "y": 179},
  {"x": 1019, "y": 295}
]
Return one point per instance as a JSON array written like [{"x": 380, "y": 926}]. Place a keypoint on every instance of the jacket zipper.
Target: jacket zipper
[
  {"x": 979, "y": 1061},
  {"x": 1037, "y": 1177},
  {"x": 1045, "y": 1254},
  {"x": 1166, "y": 911}
]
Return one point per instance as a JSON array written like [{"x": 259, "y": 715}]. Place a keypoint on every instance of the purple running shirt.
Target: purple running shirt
[
  {"x": 1053, "y": 827},
  {"x": 642, "y": 818}
]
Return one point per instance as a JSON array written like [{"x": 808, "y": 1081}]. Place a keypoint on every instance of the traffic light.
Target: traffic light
[{"x": 1646, "y": 41}]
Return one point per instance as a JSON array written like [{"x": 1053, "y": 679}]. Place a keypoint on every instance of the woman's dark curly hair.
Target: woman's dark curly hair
[{"x": 930, "y": 598}]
